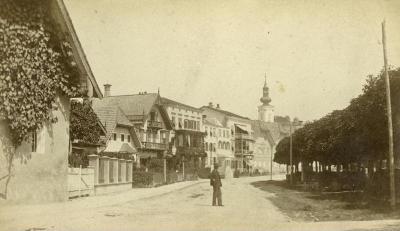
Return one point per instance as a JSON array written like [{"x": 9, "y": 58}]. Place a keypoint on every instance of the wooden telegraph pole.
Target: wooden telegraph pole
[
  {"x": 390, "y": 126},
  {"x": 291, "y": 154}
]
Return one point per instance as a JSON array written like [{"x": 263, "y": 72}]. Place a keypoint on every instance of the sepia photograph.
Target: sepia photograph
[{"x": 199, "y": 115}]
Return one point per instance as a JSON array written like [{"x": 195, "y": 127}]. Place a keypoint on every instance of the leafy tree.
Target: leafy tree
[
  {"x": 84, "y": 124},
  {"x": 356, "y": 134}
]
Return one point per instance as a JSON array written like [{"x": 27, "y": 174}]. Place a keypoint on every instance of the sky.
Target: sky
[{"x": 316, "y": 54}]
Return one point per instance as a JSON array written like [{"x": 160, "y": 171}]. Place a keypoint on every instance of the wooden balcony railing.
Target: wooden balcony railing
[
  {"x": 243, "y": 136},
  {"x": 154, "y": 124},
  {"x": 244, "y": 153},
  {"x": 154, "y": 146}
]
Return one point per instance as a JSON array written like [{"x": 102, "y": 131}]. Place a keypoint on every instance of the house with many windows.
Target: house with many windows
[
  {"x": 218, "y": 146},
  {"x": 150, "y": 121},
  {"x": 188, "y": 136},
  {"x": 241, "y": 134},
  {"x": 121, "y": 138}
]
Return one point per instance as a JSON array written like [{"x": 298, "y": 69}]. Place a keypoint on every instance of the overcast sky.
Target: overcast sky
[{"x": 316, "y": 54}]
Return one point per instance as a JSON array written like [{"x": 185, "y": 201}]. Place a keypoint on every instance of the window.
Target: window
[
  {"x": 206, "y": 146},
  {"x": 122, "y": 137},
  {"x": 180, "y": 122},
  {"x": 34, "y": 141},
  {"x": 128, "y": 138},
  {"x": 185, "y": 124},
  {"x": 173, "y": 121},
  {"x": 114, "y": 136},
  {"x": 198, "y": 125},
  {"x": 37, "y": 141},
  {"x": 180, "y": 140},
  {"x": 153, "y": 116}
]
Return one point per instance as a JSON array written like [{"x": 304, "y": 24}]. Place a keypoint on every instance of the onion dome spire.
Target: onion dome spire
[{"x": 265, "y": 99}]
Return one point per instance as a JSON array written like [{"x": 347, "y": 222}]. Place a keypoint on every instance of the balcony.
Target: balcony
[
  {"x": 154, "y": 124},
  {"x": 154, "y": 146},
  {"x": 244, "y": 153},
  {"x": 191, "y": 151},
  {"x": 242, "y": 136}
]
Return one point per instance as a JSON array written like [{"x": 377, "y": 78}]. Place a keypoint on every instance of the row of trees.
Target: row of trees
[{"x": 355, "y": 135}]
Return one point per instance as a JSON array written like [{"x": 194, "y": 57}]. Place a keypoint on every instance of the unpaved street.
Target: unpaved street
[{"x": 183, "y": 208}]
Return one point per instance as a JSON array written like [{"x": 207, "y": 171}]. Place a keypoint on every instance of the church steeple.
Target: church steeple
[{"x": 265, "y": 99}]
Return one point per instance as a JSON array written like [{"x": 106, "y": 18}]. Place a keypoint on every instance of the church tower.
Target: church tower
[{"x": 266, "y": 111}]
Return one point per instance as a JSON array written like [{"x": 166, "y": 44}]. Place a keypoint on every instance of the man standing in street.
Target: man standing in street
[{"x": 215, "y": 182}]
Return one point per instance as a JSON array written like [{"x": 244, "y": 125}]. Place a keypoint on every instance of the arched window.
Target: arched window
[{"x": 219, "y": 144}]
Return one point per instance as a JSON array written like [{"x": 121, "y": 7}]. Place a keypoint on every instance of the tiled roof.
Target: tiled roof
[
  {"x": 227, "y": 113},
  {"x": 273, "y": 128},
  {"x": 69, "y": 29},
  {"x": 133, "y": 105},
  {"x": 170, "y": 102},
  {"x": 110, "y": 115},
  {"x": 282, "y": 119}
]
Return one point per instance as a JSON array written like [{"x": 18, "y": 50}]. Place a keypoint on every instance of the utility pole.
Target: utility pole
[
  {"x": 291, "y": 153},
  {"x": 271, "y": 162},
  {"x": 390, "y": 126}
]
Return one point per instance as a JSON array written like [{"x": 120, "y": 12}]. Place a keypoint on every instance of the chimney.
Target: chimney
[
  {"x": 210, "y": 104},
  {"x": 218, "y": 106},
  {"x": 107, "y": 88}
]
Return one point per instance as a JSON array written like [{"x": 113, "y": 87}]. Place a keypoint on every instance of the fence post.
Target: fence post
[
  {"x": 80, "y": 180},
  {"x": 94, "y": 163},
  {"x": 123, "y": 170},
  {"x": 129, "y": 166},
  {"x": 165, "y": 170},
  {"x": 106, "y": 169},
  {"x": 114, "y": 162}
]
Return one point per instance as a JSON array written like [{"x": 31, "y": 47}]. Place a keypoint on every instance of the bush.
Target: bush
[
  {"x": 204, "y": 173},
  {"x": 156, "y": 165},
  {"x": 142, "y": 179},
  {"x": 236, "y": 173}
]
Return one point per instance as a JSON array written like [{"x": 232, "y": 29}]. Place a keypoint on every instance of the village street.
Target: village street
[{"x": 181, "y": 206}]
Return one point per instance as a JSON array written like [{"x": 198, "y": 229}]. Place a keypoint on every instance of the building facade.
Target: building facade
[
  {"x": 38, "y": 169},
  {"x": 219, "y": 146},
  {"x": 150, "y": 122},
  {"x": 188, "y": 135},
  {"x": 241, "y": 135},
  {"x": 269, "y": 129}
]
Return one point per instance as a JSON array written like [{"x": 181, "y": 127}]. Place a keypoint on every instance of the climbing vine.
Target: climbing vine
[{"x": 35, "y": 65}]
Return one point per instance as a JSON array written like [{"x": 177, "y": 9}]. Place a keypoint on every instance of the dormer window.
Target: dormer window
[{"x": 153, "y": 116}]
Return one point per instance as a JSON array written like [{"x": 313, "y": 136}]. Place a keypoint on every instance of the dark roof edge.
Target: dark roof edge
[
  {"x": 171, "y": 102},
  {"x": 78, "y": 45}
]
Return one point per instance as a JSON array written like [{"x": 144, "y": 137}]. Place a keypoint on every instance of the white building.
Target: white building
[
  {"x": 219, "y": 146},
  {"x": 241, "y": 135}
]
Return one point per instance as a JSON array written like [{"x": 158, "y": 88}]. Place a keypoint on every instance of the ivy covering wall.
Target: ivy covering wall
[{"x": 36, "y": 64}]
